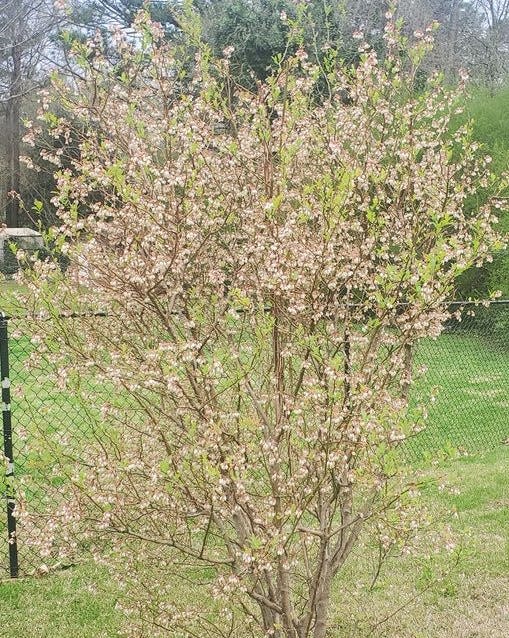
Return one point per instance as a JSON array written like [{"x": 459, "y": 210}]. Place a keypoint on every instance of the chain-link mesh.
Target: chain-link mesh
[
  {"x": 462, "y": 377},
  {"x": 51, "y": 426}
]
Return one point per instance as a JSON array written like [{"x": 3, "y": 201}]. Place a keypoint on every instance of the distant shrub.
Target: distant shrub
[{"x": 490, "y": 115}]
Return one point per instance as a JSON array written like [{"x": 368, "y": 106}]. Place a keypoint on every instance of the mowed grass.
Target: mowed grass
[
  {"x": 9, "y": 290},
  {"x": 458, "y": 595},
  {"x": 75, "y": 603}
]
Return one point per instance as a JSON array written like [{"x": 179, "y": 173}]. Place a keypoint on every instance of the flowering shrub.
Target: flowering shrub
[{"x": 266, "y": 260}]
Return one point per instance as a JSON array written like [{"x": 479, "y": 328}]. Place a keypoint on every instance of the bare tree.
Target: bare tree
[
  {"x": 494, "y": 40},
  {"x": 459, "y": 26},
  {"x": 495, "y": 11},
  {"x": 26, "y": 27}
]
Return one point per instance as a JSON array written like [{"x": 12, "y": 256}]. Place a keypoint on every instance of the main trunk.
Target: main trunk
[{"x": 322, "y": 606}]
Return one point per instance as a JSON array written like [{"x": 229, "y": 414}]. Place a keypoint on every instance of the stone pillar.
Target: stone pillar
[{"x": 25, "y": 239}]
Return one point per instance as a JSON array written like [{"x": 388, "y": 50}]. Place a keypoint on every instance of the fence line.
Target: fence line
[{"x": 467, "y": 373}]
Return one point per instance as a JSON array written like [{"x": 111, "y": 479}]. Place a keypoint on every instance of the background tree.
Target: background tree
[
  {"x": 460, "y": 26},
  {"x": 259, "y": 36},
  {"x": 494, "y": 40},
  {"x": 98, "y": 14},
  {"x": 26, "y": 27}
]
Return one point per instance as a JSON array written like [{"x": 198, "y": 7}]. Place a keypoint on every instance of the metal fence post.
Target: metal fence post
[{"x": 8, "y": 447}]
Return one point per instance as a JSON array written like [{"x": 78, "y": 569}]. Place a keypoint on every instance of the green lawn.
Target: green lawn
[
  {"x": 75, "y": 603},
  {"x": 8, "y": 303},
  {"x": 462, "y": 595}
]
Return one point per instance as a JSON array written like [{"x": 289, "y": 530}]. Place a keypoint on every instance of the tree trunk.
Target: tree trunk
[
  {"x": 13, "y": 129},
  {"x": 322, "y": 606},
  {"x": 452, "y": 37}
]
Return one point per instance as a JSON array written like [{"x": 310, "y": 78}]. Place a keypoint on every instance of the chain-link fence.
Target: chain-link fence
[
  {"x": 45, "y": 426},
  {"x": 462, "y": 376},
  {"x": 463, "y": 379}
]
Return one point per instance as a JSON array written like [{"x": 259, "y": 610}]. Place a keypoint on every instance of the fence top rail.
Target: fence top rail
[
  {"x": 479, "y": 303},
  {"x": 63, "y": 315}
]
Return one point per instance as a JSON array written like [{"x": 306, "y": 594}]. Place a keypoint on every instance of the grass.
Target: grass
[
  {"x": 8, "y": 290},
  {"x": 490, "y": 115},
  {"x": 463, "y": 595},
  {"x": 75, "y": 603}
]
